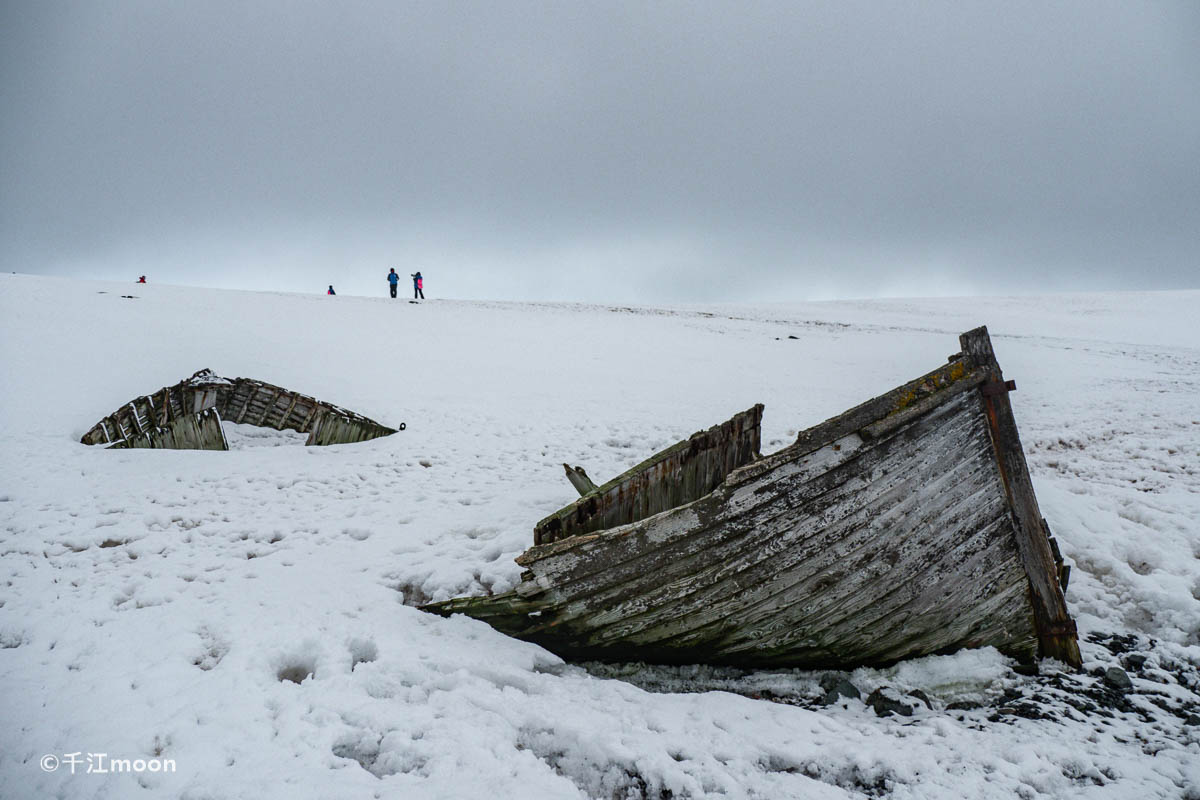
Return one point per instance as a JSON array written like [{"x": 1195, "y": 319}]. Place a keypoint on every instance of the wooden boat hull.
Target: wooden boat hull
[
  {"x": 187, "y": 416},
  {"x": 905, "y": 527}
]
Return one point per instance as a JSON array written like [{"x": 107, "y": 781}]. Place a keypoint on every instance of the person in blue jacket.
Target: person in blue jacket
[
  {"x": 331, "y": 291},
  {"x": 418, "y": 285},
  {"x": 393, "y": 279}
]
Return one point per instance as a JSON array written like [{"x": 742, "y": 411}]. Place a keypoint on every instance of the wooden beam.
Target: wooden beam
[
  {"x": 135, "y": 422},
  {"x": 877, "y": 409},
  {"x": 666, "y": 479},
  {"x": 270, "y": 404},
  {"x": 580, "y": 480},
  {"x": 288, "y": 413},
  {"x": 1056, "y": 630},
  {"x": 250, "y": 391}
]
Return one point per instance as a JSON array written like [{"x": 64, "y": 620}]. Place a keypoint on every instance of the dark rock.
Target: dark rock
[
  {"x": 1029, "y": 670},
  {"x": 924, "y": 698},
  {"x": 963, "y": 705},
  {"x": 1116, "y": 643},
  {"x": 836, "y": 687},
  {"x": 885, "y": 702},
  {"x": 1117, "y": 679},
  {"x": 1028, "y": 709},
  {"x": 1193, "y": 719},
  {"x": 1135, "y": 661},
  {"x": 1009, "y": 696}
]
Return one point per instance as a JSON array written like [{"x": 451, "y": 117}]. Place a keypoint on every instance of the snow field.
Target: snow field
[{"x": 250, "y": 614}]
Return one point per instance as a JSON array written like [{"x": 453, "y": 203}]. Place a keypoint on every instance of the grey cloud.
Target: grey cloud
[{"x": 607, "y": 151}]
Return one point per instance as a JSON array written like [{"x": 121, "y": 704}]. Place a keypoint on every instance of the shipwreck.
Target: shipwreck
[
  {"x": 906, "y": 526},
  {"x": 188, "y": 415}
]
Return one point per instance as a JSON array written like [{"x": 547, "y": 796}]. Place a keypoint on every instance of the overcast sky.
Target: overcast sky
[{"x": 604, "y": 151}]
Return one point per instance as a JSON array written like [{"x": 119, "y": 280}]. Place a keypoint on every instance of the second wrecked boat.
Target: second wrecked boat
[
  {"x": 188, "y": 416},
  {"x": 906, "y": 526}
]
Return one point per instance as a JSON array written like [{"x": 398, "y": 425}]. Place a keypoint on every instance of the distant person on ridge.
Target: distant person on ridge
[
  {"x": 141, "y": 279},
  {"x": 418, "y": 285},
  {"x": 331, "y": 291},
  {"x": 393, "y": 279}
]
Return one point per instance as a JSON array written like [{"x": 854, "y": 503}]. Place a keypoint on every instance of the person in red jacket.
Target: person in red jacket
[
  {"x": 418, "y": 285},
  {"x": 141, "y": 279},
  {"x": 331, "y": 291}
]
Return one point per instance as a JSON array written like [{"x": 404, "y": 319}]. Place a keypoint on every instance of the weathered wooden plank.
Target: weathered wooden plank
[
  {"x": 200, "y": 431},
  {"x": 283, "y": 420},
  {"x": 337, "y": 428},
  {"x": 135, "y": 423},
  {"x": 644, "y": 580},
  {"x": 1056, "y": 629},
  {"x": 622, "y": 552},
  {"x": 919, "y": 408},
  {"x": 895, "y": 643},
  {"x": 309, "y": 419},
  {"x": 879, "y": 408},
  {"x": 849, "y": 613},
  {"x": 250, "y": 392},
  {"x": 268, "y": 403},
  {"x": 915, "y": 624},
  {"x": 765, "y": 483},
  {"x": 655, "y": 480},
  {"x": 837, "y": 573},
  {"x": 821, "y": 541},
  {"x": 151, "y": 415},
  {"x": 710, "y": 652}
]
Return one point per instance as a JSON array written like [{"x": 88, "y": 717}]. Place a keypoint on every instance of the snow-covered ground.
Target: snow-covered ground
[{"x": 162, "y": 605}]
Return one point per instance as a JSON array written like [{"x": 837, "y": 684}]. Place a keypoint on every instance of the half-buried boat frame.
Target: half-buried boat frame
[
  {"x": 906, "y": 526},
  {"x": 188, "y": 415}
]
